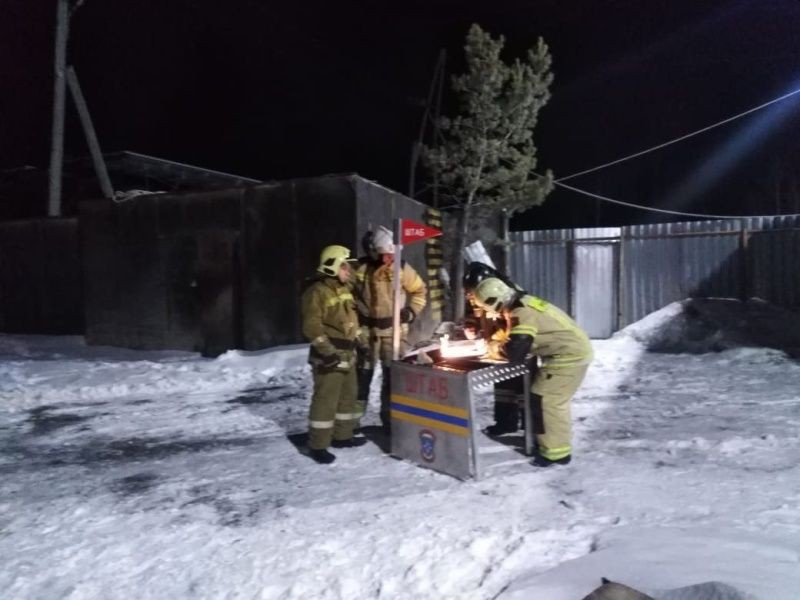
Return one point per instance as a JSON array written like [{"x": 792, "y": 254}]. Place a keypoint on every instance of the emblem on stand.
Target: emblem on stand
[{"x": 427, "y": 445}]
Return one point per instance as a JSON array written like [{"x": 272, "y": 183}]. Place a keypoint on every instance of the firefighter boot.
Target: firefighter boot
[
  {"x": 541, "y": 461},
  {"x": 323, "y": 457},
  {"x": 353, "y": 442}
]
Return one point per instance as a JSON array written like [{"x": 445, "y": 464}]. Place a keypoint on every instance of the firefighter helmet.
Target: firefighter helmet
[
  {"x": 331, "y": 260},
  {"x": 477, "y": 272},
  {"x": 383, "y": 241},
  {"x": 493, "y": 294}
]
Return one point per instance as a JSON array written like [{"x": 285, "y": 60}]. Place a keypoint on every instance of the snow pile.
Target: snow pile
[
  {"x": 41, "y": 369},
  {"x": 652, "y": 560},
  {"x": 703, "y": 325}
]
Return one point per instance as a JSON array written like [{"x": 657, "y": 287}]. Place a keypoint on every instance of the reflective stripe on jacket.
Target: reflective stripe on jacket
[
  {"x": 556, "y": 337},
  {"x": 375, "y": 296},
  {"x": 330, "y": 320}
]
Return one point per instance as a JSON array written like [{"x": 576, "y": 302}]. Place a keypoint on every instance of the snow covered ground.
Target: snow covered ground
[{"x": 130, "y": 474}]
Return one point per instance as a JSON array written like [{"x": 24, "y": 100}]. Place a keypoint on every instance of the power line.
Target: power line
[
  {"x": 679, "y": 139},
  {"x": 659, "y": 210},
  {"x": 460, "y": 206}
]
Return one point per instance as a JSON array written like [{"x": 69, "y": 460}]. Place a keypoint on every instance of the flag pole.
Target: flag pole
[{"x": 398, "y": 265}]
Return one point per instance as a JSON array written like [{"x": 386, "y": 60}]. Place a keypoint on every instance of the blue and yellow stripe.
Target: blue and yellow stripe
[{"x": 429, "y": 414}]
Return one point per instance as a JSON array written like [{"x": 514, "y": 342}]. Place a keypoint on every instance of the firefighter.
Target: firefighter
[
  {"x": 375, "y": 302},
  {"x": 538, "y": 327},
  {"x": 508, "y": 395},
  {"x": 330, "y": 322}
]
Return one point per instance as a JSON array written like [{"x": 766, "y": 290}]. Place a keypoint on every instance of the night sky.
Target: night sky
[{"x": 275, "y": 90}]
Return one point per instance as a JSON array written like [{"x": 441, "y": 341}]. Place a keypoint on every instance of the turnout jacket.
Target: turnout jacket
[
  {"x": 375, "y": 294},
  {"x": 535, "y": 325},
  {"x": 330, "y": 320}
]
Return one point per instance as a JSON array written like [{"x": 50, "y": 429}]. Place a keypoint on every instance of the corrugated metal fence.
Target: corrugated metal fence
[{"x": 610, "y": 277}]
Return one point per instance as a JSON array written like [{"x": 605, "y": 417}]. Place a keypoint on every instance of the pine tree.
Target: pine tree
[{"x": 487, "y": 160}]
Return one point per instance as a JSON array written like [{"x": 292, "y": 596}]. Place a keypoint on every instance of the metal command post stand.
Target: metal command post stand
[{"x": 433, "y": 413}]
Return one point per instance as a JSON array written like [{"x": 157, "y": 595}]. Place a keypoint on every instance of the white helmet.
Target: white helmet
[{"x": 383, "y": 241}]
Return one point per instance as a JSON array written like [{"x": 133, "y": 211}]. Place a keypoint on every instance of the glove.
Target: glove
[
  {"x": 472, "y": 326},
  {"x": 517, "y": 347},
  {"x": 472, "y": 322},
  {"x": 362, "y": 337},
  {"x": 407, "y": 315},
  {"x": 330, "y": 361}
]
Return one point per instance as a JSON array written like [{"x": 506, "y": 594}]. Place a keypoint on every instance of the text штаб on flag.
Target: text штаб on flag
[{"x": 411, "y": 231}]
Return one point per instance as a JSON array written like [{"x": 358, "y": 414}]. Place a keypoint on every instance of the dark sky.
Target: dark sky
[{"x": 274, "y": 90}]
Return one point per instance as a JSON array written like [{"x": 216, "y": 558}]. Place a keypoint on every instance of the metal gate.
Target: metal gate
[{"x": 594, "y": 287}]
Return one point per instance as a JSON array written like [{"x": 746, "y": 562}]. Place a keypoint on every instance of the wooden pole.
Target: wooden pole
[
  {"x": 91, "y": 136},
  {"x": 417, "y": 146},
  {"x": 436, "y": 116},
  {"x": 59, "y": 97}
]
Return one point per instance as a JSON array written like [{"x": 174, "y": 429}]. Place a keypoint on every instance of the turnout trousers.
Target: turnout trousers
[
  {"x": 556, "y": 387},
  {"x": 380, "y": 352},
  {"x": 332, "y": 414}
]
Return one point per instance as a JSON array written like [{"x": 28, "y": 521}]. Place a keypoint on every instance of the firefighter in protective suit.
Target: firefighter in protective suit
[
  {"x": 330, "y": 322},
  {"x": 508, "y": 395},
  {"x": 375, "y": 302},
  {"x": 536, "y": 326}
]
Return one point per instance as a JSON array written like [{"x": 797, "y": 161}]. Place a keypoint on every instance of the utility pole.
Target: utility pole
[
  {"x": 438, "y": 76},
  {"x": 91, "y": 136},
  {"x": 436, "y": 115},
  {"x": 59, "y": 97}
]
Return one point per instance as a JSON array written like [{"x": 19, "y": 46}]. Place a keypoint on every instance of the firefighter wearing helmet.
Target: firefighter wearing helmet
[
  {"x": 375, "y": 301},
  {"x": 537, "y": 327},
  {"x": 508, "y": 395},
  {"x": 330, "y": 322}
]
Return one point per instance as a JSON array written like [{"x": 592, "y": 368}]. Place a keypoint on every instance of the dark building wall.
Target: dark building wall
[
  {"x": 159, "y": 270},
  {"x": 224, "y": 269},
  {"x": 285, "y": 226},
  {"x": 40, "y": 277}
]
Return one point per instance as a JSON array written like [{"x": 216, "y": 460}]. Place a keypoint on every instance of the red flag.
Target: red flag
[{"x": 411, "y": 231}]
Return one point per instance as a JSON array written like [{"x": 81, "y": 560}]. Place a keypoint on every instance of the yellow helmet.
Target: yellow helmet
[
  {"x": 331, "y": 260},
  {"x": 492, "y": 294}
]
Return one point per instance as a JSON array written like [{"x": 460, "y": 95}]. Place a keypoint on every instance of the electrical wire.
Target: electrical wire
[
  {"x": 560, "y": 180},
  {"x": 679, "y": 139},
  {"x": 458, "y": 205},
  {"x": 661, "y": 210}
]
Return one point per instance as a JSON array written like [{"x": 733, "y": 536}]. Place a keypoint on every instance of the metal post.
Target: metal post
[
  {"x": 504, "y": 234},
  {"x": 88, "y": 131},
  {"x": 398, "y": 262},
  {"x": 526, "y": 398},
  {"x": 476, "y": 462},
  {"x": 744, "y": 257},
  {"x": 621, "y": 320},
  {"x": 570, "y": 249},
  {"x": 59, "y": 97}
]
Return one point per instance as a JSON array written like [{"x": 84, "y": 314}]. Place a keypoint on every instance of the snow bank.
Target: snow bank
[
  {"x": 39, "y": 369},
  {"x": 701, "y": 325},
  {"x": 673, "y": 563}
]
